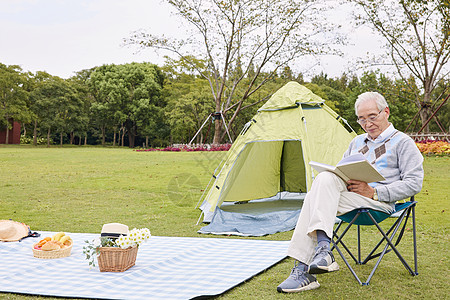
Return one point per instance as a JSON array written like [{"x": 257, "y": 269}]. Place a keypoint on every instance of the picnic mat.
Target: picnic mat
[{"x": 166, "y": 268}]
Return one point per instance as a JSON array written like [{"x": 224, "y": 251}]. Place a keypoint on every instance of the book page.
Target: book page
[
  {"x": 351, "y": 158},
  {"x": 355, "y": 167},
  {"x": 362, "y": 171},
  {"x": 320, "y": 167}
]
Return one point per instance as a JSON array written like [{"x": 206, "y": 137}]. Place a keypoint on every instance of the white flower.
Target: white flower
[
  {"x": 146, "y": 233},
  {"x": 97, "y": 242},
  {"x": 123, "y": 242},
  {"x": 134, "y": 237}
]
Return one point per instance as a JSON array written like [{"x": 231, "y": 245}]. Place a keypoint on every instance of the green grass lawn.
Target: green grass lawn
[{"x": 78, "y": 189}]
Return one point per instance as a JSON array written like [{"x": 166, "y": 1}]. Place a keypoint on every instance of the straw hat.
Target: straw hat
[
  {"x": 11, "y": 231},
  {"x": 114, "y": 230}
]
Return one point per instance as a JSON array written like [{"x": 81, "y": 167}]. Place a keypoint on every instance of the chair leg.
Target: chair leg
[
  {"x": 339, "y": 238},
  {"x": 359, "y": 244},
  {"x": 385, "y": 250},
  {"x": 414, "y": 239},
  {"x": 346, "y": 262},
  {"x": 388, "y": 240},
  {"x": 395, "y": 225},
  {"x": 389, "y": 237}
]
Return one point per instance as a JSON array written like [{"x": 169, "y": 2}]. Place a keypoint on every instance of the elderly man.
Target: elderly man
[{"x": 392, "y": 153}]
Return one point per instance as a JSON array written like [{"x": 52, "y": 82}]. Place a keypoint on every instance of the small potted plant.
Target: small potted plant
[{"x": 116, "y": 253}]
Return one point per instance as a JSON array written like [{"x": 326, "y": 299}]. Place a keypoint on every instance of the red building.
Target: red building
[{"x": 13, "y": 135}]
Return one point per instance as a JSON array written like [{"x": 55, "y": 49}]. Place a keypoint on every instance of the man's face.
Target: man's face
[{"x": 380, "y": 121}]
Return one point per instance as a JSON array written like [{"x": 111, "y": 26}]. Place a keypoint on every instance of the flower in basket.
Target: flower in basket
[
  {"x": 135, "y": 237},
  {"x": 121, "y": 240}
]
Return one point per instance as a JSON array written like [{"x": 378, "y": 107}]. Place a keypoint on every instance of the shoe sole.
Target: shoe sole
[
  {"x": 320, "y": 270},
  {"x": 313, "y": 285}
]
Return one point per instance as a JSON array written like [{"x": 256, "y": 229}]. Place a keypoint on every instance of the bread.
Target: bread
[{"x": 51, "y": 245}]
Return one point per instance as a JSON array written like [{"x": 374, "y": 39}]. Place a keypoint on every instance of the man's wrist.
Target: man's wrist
[{"x": 375, "y": 195}]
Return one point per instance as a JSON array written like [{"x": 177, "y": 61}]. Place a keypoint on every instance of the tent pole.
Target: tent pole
[
  {"x": 226, "y": 128},
  {"x": 201, "y": 127},
  {"x": 198, "y": 221},
  {"x": 204, "y": 191}
]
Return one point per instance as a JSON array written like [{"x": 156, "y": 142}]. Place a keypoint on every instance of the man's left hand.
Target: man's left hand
[{"x": 360, "y": 187}]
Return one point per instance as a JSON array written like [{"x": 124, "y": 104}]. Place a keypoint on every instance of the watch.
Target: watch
[{"x": 375, "y": 195}]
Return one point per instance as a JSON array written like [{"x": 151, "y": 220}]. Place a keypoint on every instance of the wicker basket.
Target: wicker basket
[
  {"x": 52, "y": 254},
  {"x": 112, "y": 259}
]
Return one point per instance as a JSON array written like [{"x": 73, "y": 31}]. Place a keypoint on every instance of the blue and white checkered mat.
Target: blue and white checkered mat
[{"x": 166, "y": 268}]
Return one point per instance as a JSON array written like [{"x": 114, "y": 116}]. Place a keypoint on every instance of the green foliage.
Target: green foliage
[
  {"x": 189, "y": 105},
  {"x": 57, "y": 105},
  {"x": 168, "y": 105},
  {"x": 28, "y": 141},
  {"x": 127, "y": 96},
  {"x": 399, "y": 97},
  {"x": 440, "y": 93},
  {"x": 13, "y": 96}
]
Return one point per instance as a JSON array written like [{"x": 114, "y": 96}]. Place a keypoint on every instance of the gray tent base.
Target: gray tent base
[{"x": 257, "y": 217}]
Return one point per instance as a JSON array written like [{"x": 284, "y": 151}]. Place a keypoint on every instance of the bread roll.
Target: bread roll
[{"x": 51, "y": 245}]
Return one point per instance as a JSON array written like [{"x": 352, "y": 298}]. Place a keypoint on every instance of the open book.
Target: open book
[{"x": 355, "y": 167}]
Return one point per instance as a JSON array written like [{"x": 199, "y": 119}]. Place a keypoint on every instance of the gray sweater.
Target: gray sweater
[{"x": 401, "y": 164}]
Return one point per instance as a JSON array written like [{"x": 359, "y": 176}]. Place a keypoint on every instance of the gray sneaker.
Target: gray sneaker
[
  {"x": 323, "y": 262},
  {"x": 298, "y": 281}
]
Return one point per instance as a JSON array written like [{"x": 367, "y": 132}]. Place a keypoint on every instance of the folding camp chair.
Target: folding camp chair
[{"x": 365, "y": 216}]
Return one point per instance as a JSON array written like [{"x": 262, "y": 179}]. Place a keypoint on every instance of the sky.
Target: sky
[{"x": 65, "y": 36}]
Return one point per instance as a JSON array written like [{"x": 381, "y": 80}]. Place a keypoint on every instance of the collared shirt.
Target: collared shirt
[{"x": 383, "y": 136}]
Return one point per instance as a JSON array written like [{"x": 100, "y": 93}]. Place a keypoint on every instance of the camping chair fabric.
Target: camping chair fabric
[{"x": 370, "y": 217}]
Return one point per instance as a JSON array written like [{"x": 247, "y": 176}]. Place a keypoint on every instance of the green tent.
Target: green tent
[{"x": 271, "y": 154}]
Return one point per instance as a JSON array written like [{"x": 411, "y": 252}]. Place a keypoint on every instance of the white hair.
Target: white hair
[{"x": 368, "y": 96}]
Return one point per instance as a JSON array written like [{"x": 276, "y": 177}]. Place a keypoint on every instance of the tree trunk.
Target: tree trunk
[
  {"x": 72, "y": 137},
  {"x": 425, "y": 114},
  {"x": 61, "y": 139},
  {"x": 131, "y": 139},
  {"x": 79, "y": 142},
  {"x": 85, "y": 140},
  {"x": 217, "y": 125},
  {"x": 7, "y": 134},
  {"x": 131, "y": 129},
  {"x": 48, "y": 137},
  {"x": 146, "y": 141},
  {"x": 103, "y": 135},
  {"x": 123, "y": 136},
  {"x": 114, "y": 139},
  {"x": 425, "y": 111},
  {"x": 35, "y": 133}
]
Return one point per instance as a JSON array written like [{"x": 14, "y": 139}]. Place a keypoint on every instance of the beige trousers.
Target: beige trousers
[{"x": 327, "y": 199}]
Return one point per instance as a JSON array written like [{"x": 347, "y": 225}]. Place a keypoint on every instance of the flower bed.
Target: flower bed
[
  {"x": 431, "y": 147},
  {"x": 186, "y": 148}
]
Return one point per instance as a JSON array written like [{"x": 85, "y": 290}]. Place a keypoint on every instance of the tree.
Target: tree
[
  {"x": 38, "y": 105},
  {"x": 13, "y": 97},
  {"x": 126, "y": 95},
  {"x": 244, "y": 43},
  {"x": 80, "y": 84},
  {"x": 57, "y": 105},
  {"x": 417, "y": 35},
  {"x": 188, "y": 107}
]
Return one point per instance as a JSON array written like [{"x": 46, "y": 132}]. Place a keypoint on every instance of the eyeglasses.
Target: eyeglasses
[{"x": 369, "y": 119}]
